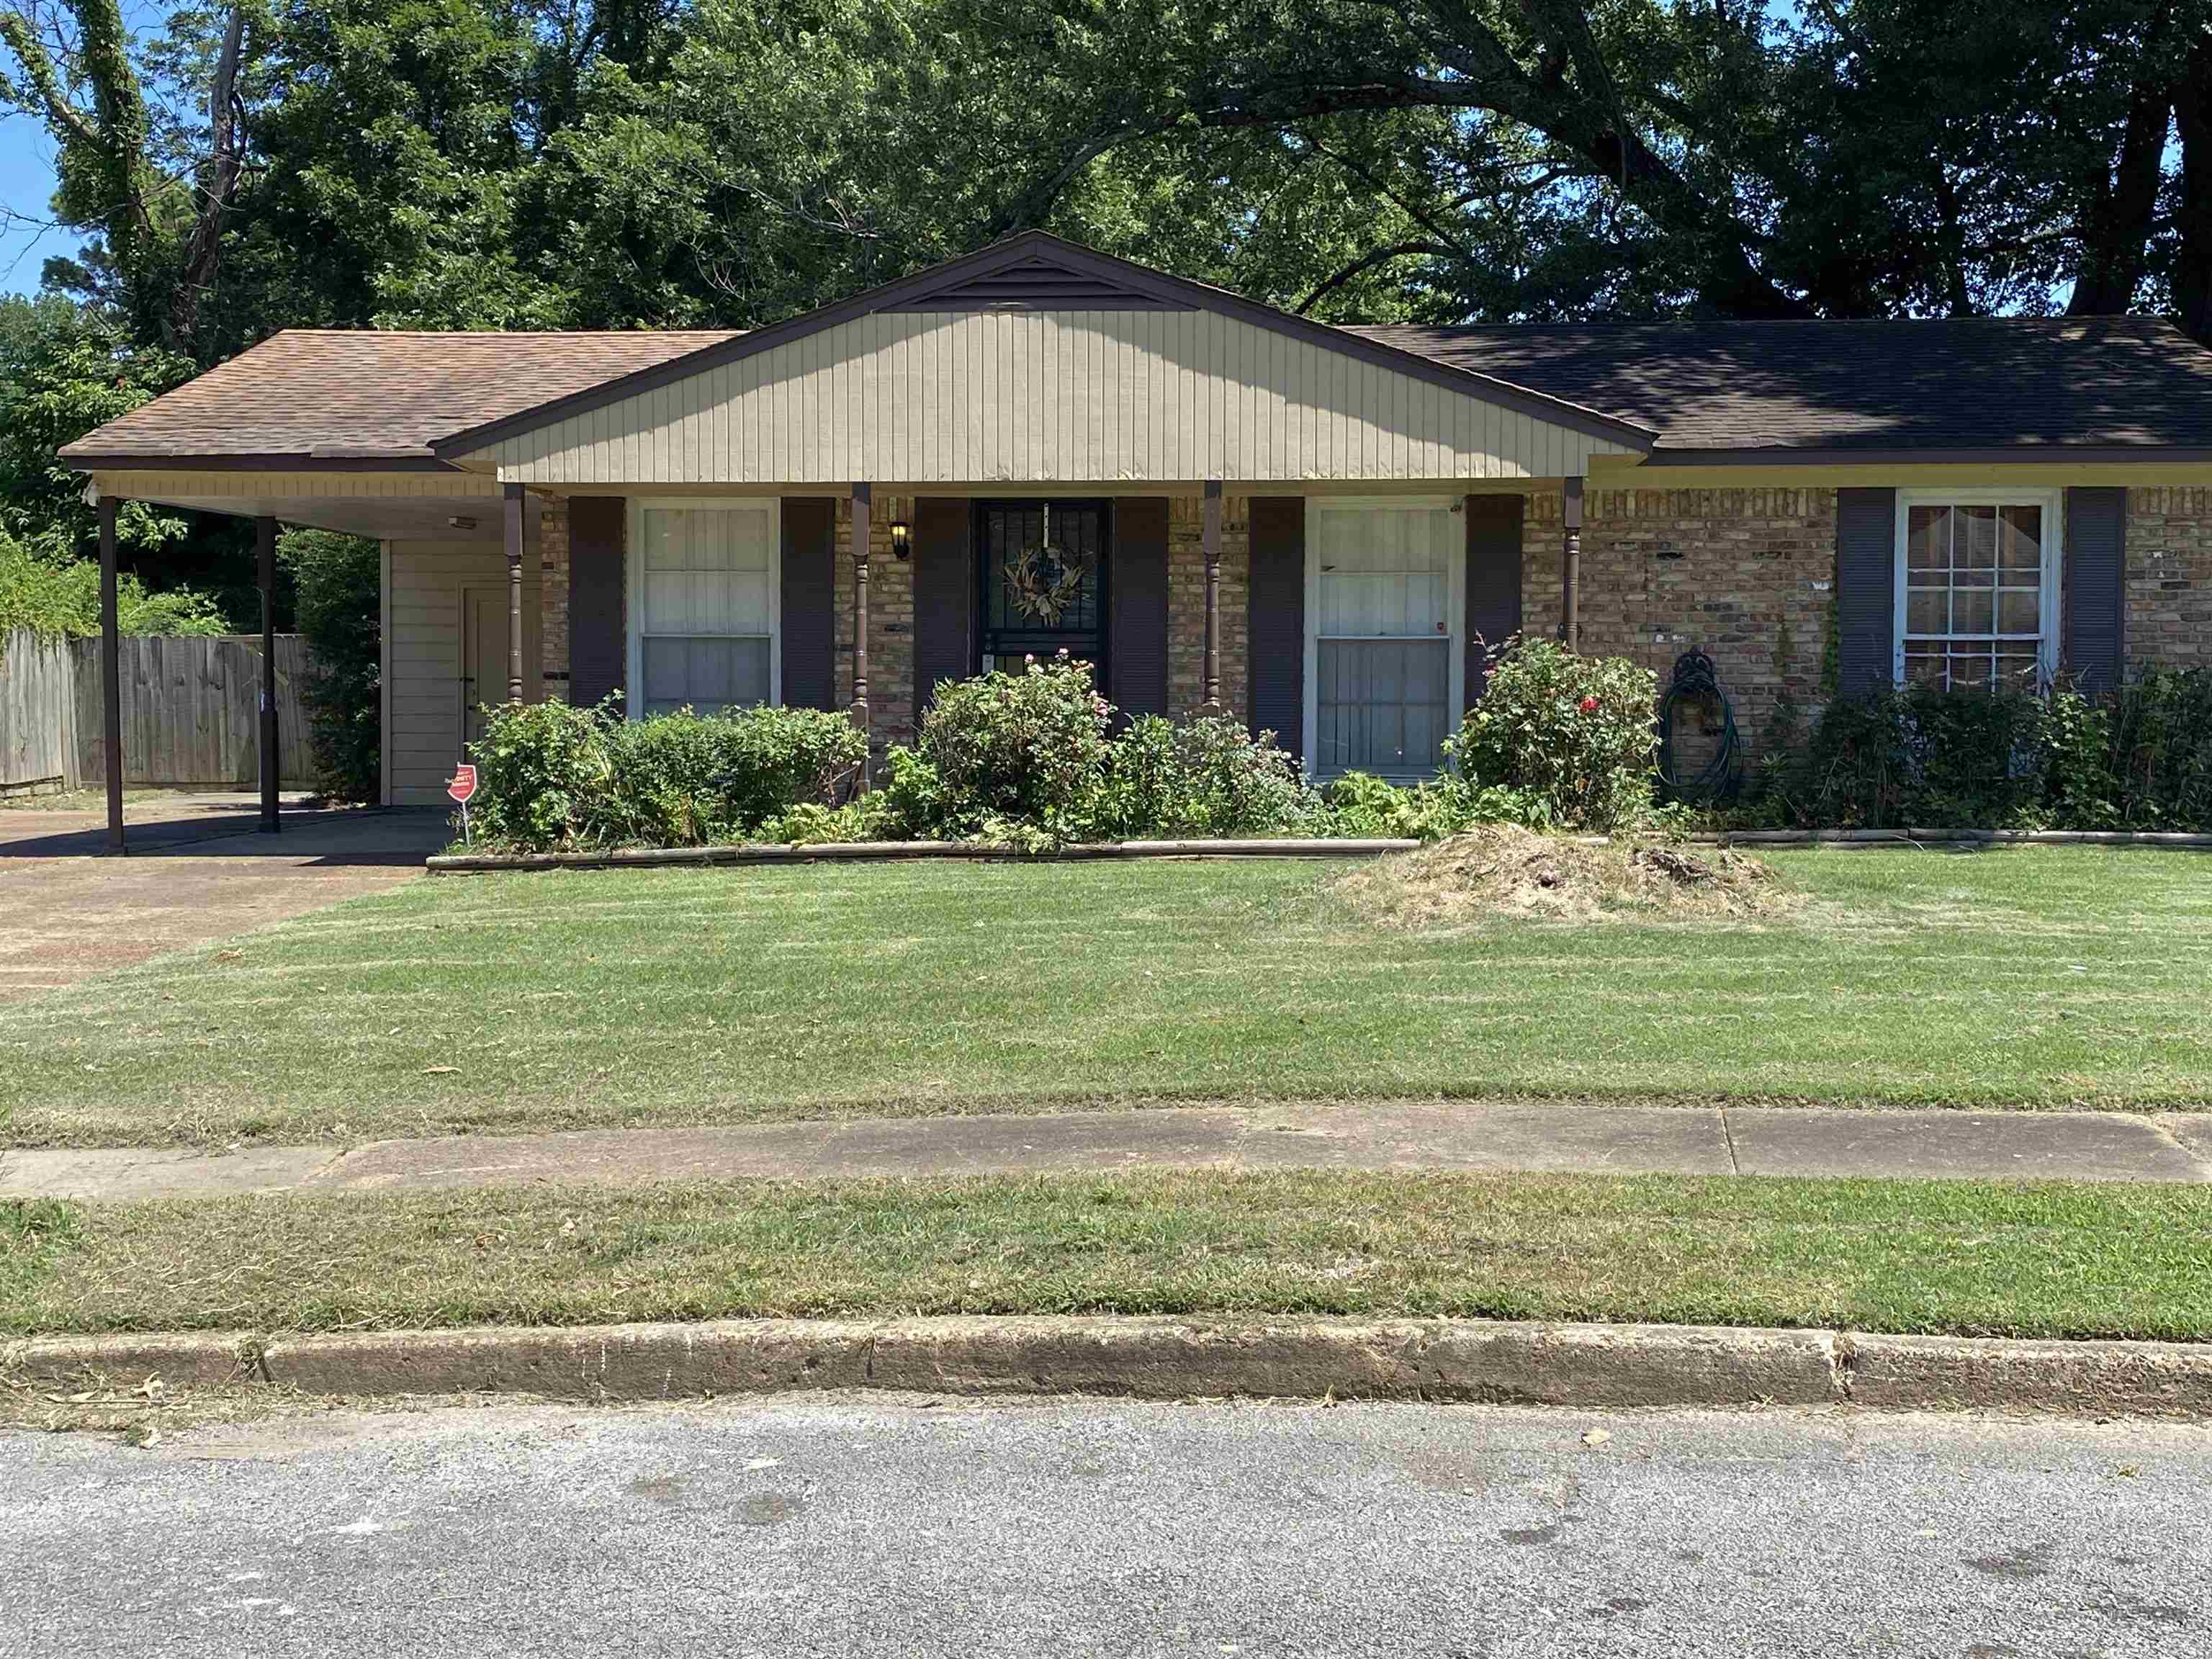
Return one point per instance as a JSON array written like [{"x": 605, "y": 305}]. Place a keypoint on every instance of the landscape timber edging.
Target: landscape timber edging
[
  {"x": 866, "y": 852},
  {"x": 869, "y": 852},
  {"x": 1492, "y": 1361}
]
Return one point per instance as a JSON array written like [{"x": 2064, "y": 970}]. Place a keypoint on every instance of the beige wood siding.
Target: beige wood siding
[
  {"x": 1078, "y": 396},
  {"x": 422, "y": 659}
]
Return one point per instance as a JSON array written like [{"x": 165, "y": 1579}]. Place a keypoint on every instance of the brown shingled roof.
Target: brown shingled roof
[
  {"x": 316, "y": 395},
  {"x": 1863, "y": 386},
  {"x": 1709, "y": 389}
]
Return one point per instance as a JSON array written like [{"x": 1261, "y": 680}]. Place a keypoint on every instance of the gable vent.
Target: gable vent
[{"x": 1037, "y": 284}]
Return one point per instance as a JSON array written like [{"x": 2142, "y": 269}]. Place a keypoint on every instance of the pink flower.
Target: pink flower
[{"x": 1588, "y": 705}]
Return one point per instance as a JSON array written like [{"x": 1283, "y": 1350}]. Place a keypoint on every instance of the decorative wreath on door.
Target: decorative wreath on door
[{"x": 1043, "y": 580}]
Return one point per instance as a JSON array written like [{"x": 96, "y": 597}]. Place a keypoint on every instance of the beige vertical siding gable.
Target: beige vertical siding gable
[{"x": 1027, "y": 396}]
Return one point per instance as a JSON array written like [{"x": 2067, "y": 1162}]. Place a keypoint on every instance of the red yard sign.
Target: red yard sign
[{"x": 464, "y": 784}]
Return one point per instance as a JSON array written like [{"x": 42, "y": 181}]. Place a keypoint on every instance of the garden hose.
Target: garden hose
[{"x": 1696, "y": 683}]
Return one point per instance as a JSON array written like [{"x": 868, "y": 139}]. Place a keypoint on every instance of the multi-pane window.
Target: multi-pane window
[
  {"x": 1383, "y": 639},
  {"x": 706, "y": 613},
  {"x": 1974, "y": 592}
]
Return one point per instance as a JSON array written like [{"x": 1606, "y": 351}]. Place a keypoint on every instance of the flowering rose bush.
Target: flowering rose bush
[{"x": 1572, "y": 736}]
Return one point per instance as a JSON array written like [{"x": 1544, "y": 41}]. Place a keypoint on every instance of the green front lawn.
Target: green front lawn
[
  {"x": 2039, "y": 977},
  {"x": 2027, "y": 1260}
]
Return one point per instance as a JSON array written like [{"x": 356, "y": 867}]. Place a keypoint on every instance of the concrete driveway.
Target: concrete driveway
[{"x": 197, "y": 868}]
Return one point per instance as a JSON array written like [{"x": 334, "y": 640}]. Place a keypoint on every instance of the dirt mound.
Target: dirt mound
[{"x": 1505, "y": 870}]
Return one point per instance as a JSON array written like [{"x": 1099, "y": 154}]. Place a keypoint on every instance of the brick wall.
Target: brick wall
[
  {"x": 1724, "y": 571},
  {"x": 890, "y": 620},
  {"x": 553, "y": 601},
  {"x": 1187, "y": 602},
  {"x": 2169, "y": 559}
]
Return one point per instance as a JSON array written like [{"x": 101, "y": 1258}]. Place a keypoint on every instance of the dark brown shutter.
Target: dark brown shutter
[
  {"x": 1493, "y": 581},
  {"x": 2094, "y": 639},
  {"x": 1866, "y": 591},
  {"x": 810, "y": 602},
  {"x": 599, "y": 655},
  {"x": 1137, "y": 587},
  {"x": 944, "y": 596},
  {"x": 1277, "y": 614}
]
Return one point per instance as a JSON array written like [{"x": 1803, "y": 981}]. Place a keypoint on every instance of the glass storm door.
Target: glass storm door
[{"x": 1042, "y": 570}]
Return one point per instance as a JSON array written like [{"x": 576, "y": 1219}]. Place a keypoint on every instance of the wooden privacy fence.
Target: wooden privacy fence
[{"x": 191, "y": 712}]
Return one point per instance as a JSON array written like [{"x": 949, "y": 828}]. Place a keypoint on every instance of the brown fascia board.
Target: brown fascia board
[
  {"x": 1987, "y": 455},
  {"x": 265, "y": 461},
  {"x": 1169, "y": 291}
]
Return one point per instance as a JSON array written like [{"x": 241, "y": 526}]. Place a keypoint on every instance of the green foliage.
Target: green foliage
[
  {"x": 54, "y": 596},
  {"x": 2161, "y": 758},
  {"x": 550, "y": 777},
  {"x": 541, "y": 767},
  {"x": 812, "y": 823},
  {"x": 1207, "y": 776},
  {"x": 2005, "y": 759},
  {"x": 336, "y": 579},
  {"x": 1028, "y": 748},
  {"x": 1570, "y": 737}
]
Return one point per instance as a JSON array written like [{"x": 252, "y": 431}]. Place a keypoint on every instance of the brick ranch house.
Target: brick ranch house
[{"x": 1038, "y": 447}]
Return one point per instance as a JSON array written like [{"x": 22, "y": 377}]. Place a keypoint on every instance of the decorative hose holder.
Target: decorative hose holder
[{"x": 1695, "y": 694}]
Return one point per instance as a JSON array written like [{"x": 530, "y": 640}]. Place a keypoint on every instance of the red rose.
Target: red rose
[{"x": 1588, "y": 705}]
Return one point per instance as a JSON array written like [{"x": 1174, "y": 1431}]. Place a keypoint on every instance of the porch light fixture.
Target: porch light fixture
[
  {"x": 901, "y": 530},
  {"x": 460, "y": 521}
]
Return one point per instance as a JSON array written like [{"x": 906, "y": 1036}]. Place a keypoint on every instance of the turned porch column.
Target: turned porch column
[
  {"x": 1571, "y": 575},
  {"x": 863, "y": 500},
  {"x": 1213, "y": 546},
  {"x": 513, "y": 503}
]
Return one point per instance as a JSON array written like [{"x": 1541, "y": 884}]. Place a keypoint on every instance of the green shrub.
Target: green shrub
[
  {"x": 541, "y": 770},
  {"x": 812, "y": 823},
  {"x": 1364, "y": 807},
  {"x": 2005, "y": 759},
  {"x": 1570, "y": 737},
  {"x": 335, "y": 578},
  {"x": 685, "y": 780},
  {"x": 1028, "y": 748},
  {"x": 550, "y": 776},
  {"x": 2160, "y": 754},
  {"x": 1207, "y": 776}
]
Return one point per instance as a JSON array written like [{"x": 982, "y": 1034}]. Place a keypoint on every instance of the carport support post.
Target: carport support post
[
  {"x": 513, "y": 502},
  {"x": 111, "y": 676},
  {"x": 863, "y": 500},
  {"x": 265, "y": 542},
  {"x": 1213, "y": 547},
  {"x": 1571, "y": 576}
]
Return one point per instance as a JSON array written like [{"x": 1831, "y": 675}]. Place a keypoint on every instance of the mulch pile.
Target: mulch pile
[{"x": 1503, "y": 869}]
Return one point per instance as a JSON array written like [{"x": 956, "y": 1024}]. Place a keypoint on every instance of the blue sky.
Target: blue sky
[{"x": 26, "y": 180}]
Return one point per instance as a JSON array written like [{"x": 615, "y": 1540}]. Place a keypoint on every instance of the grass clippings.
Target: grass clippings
[{"x": 1504, "y": 871}]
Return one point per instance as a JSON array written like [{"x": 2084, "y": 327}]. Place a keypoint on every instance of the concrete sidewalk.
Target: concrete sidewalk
[{"x": 1401, "y": 1135}]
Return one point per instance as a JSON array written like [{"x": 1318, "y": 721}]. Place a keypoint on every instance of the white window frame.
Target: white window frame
[
  {"x": 2052, "y": 503},
  {"x": 633, "y": 585},
  {"x": 1455, "y": 606}
]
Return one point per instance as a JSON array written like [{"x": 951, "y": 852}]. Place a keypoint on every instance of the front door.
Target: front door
[
  {"x": 484, "y": 656},
  {"x": 1043, "y": 567}
]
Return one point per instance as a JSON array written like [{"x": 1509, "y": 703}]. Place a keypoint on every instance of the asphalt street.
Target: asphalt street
[{"x": 853, "y": 1526}]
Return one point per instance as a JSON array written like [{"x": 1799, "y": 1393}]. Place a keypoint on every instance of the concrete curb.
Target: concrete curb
[{"x": 1162, "y": 1359}]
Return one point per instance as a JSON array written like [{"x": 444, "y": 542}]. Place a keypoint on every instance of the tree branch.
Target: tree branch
[{"x": 1381, "y": 256}]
